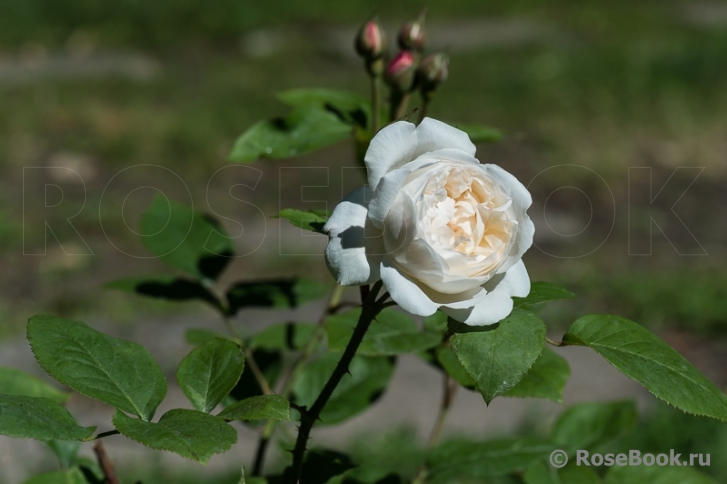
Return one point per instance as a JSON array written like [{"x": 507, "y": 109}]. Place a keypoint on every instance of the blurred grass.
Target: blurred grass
[{"x": 605, "y": 85}]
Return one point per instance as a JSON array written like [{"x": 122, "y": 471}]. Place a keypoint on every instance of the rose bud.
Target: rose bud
[
  {"x": 432, "y": 71},
  {"x": 400, "y": 71},
  {"x": 412, "y": 35},
  {"x": 370, "y": 42}
]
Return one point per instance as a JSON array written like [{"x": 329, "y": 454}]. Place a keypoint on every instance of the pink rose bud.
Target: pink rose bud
[
  {"x": 432, "y": 71},
  {"x": 412, "y": 35},
  {"x": 400, "y": 71},
  {"x": 371, "y": 41}
]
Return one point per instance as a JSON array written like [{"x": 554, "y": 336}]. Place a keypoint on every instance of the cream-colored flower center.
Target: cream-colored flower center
[{"x": 464, "y": 212}]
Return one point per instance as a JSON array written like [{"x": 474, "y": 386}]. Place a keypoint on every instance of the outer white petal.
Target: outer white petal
[
  {"x": 405, "y": 292},
  {"x": 498, "y": 303},
  {"x": 435, "y": 135},
  {"x": 521, "y": 200},
  {"x": 355, "y": 248},
  {"x": 391, "y": 148}
]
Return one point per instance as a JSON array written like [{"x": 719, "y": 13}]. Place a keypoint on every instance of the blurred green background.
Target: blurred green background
[{"x": 102, "y": 86}]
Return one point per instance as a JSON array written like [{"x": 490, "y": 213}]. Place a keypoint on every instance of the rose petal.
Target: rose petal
[
  {"x": 435, "y": 135},
  {"x": 521, "y": 200},
  {"x": 498, "y": 303},
  {"x": 391, "y": 148},
  {"x": 355, "y": 248},
  {"x": 405, "y": 292},
  {"x": 391, "y": 183},
  {"x": 523, "y": 241}
]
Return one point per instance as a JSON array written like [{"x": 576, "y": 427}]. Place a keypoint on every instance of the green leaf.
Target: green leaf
[
  {"x": 189, "y": 433},
  {"x": 656, "y": 475},
  {"x": 71, "y": 476},
  {"x": 165, "y": 287},
  {"x": 367, "y": 380},
  {"x": 573, "y": 474},
  {"x": 117, "y": 372},
  {"x": 450, "y": 364},
  {"x": 350, "y": 107},
  {"x": 541, "y": 292},
  {"x": 479, "y": 133},
  {"x": 540, "y": 473},
  {"x": 275, "y": 294},
  {"x": 481, "y": 460},
  {"x": 436, "y": 322},
  {"x": 497, "y": 358},
  {"x": 283, "y": 336},
  {"x": 187, "y": 240},
  {"x": 65, "y": 450},
  {"x": 16, "y": 382},
  {"x": 210, "y": 372},
  {"x": 270, "y": 364},
  {"x": 301, "y": 131},
  {"x": 273, "y": 407},
  {"x": 545, "y": 379},
  {"x": 587, "y": 425},
  {"x": 38, "y": 418},
  {"x": 200, "y": 336},
  {"x": 313, "y": 221},
  {"x": 322, "y": 467},
  {"x": 640, "y": 355},
  {"x": 392, "y": 333}
]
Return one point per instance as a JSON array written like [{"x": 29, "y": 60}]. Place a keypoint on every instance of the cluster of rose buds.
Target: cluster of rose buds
[{"x": 406, "y": 70}]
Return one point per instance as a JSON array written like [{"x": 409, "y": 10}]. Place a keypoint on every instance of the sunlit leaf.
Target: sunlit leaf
[
  {"x": 272, "y": 407},
  {"x": 118, "y": 372},
  {"x": 545, "y": 379},
  {"x": 210, "y": 372},
  {"x": 310, "y": 220},
  {"x": 38, "y": 418},
  {"x": 541, "y": 292},
  {"x": 189, "y": 433},
  {"x": 301, "y": 131},
  {"x": 640, "y": 355},
  {"x": 498, "y": 357}
]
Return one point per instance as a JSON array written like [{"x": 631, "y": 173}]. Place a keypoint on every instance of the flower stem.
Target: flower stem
[
  {"x": 289, "y": 377},
  {"x": 448, "y": 394},
  {"x": 370, "y": 308},
  {"x": 105, "y": 463},
  {"x": 249, "y": 358},
  {"x": 375, "y": 100}
]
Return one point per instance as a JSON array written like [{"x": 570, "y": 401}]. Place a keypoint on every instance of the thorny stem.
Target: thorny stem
[
  {"x": 448, "y": 394},
  {"x": 105, "y": 463},
  {"x": 370, "y": 308},
  {"x": 286, "y": 382}
]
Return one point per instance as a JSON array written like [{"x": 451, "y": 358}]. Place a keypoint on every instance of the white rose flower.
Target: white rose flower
[{"x": 441, "y": 230}]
